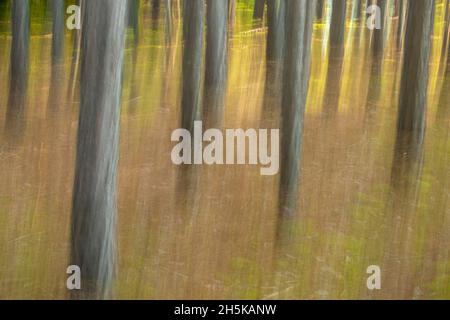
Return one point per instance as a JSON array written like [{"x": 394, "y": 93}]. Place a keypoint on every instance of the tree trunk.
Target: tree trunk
[
  {"x": 194, "y": 11},
  {"x": 20, "y": 13},
  {"x": 58, "y": 30},
  {"x": 319, "y": 9},
  {"x": 337, "y": 27},
  {"x": 258, "y": 11},
  {"x": 216, "y": 61},
  {"x": 275, "y": 35},
  {"x": 94, "y": 194},
  {"x": 403, "y": 7},
  {"x": 414, "y": 82},
  {"x": 297, "y": 63}
]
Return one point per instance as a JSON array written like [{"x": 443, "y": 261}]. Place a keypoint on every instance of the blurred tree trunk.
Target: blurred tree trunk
[
  {"x": 94, "y": 193},
  {"x": 335, "y": 58},
  {"x": 319, "y": 9},
  {"x": 58, "y": 30},
  {"x": 133, "y": 18},
  {"x": 297, "y": 63},
  {"x": 414, "y": 81},
  {"x": 358, "y": 9},
  {"x": 156, "y": 6},
  {"x": 446, "y": 28},
  {"x": 216, "y": 61},
  {"x": 337, "y": 27},
  {"x": 20, "y": 16},
  {"x": 258, "y": 11},
  {"x": 194, "y": 11},
  {"x": 403, "y": 7},
  {"x": 275, "y": 35}
]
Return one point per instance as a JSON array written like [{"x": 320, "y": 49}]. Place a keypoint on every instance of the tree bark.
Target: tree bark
[
  {"x": 258, "y": 12},
  {"x": 414, "y": 81},
  {"x": 216, "y": 61},
  {"x": 297, "y": 64},
  {"x": 20, "y": 14},
  {"x": 94, "y": 195},
  {"x": 58, "y": 30},
  {"x": 337, "y": 27},
  {"x": 194, "y": 11}
]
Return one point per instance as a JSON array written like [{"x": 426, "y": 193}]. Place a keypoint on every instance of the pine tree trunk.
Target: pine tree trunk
[{"x": 94, "y": 194}]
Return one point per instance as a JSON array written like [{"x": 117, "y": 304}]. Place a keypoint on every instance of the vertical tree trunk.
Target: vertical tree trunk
[
  {"x": 275, "y": 35},
  {"x": 358, "y": 9},
  {"x": 297, "y": 63},
  {"x": 194, "y": 11},
  {"x": 319, "y": 9},
  {"x": 216, "y": 60},
  {"x": 133, "y": 18},
  {"x": 258, "y": 11},
  {"x": 403, "y": 7},
  {"x": 337, "y": 27},
  {"x": 94, "y": 194},
  {"x": 446, "y": 28},
  {"x": 20, "y": 14},
  {"x": 414, "y": 82},
  {"x": 58, "y": 30}
]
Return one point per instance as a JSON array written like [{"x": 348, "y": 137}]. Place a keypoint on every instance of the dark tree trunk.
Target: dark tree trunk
[
  {"x": 335, "y": 59},
  {"x": 94, "y": 194},
  {"x": 337, "y": 27},
  {"x": 258, "y": 12},
  {"x": 156, "y": 6},
  {"x": 216, "y": 61},
  {"x": 194, "y": 11},
  {"x": 133, "y": 18},
  {"x": 275, "y": 35},
  {"x": 297, "y": 63},
  {"x": 58, "y": 30},
  {"x": 414, "y": 82},
  {"x": 20, "y": 13},
  {"x": 319, "y": 9},
  {"x": 358, "y": 9},
  {"x": 446, "y": 28}
]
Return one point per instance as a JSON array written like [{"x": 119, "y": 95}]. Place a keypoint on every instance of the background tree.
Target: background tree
[
  {"x": 19, "y": 56},
  {"x": 258, "y": 11},
  {"x": 297, "y": 64},
  {"x": 216, "y": 60},
  {"x": 94, "y": 194},
  {"x": 193, "y": 16}
]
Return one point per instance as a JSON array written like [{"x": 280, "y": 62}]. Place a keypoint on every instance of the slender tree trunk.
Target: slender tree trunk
[
  {"x": 357, "y": 9},
  {"x": 446, "y": 28},
  {"x": 20, "y": 14},
  {"x": 414, "y": 82},
  {"x": 133, "y": 18},
  {"x": 58, "y": 30},
  {"x": 337, "y": 27},
  {"x": 94, "y": 194},
  {"x": 401, "y": 22},
  {"x": 275, "y": 35},
  {"x": 297, "y": 63},
  {"x": 319, "y": 9},
  {"x": 194, "y": 11},
  {"x": 258, "y": 12},
  {"x": 216, "y": 61}
]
